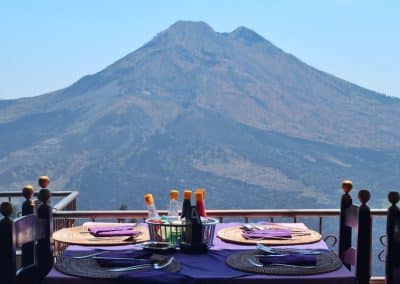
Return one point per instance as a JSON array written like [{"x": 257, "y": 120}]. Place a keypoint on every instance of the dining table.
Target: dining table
[{"x": 204, "y": 268}]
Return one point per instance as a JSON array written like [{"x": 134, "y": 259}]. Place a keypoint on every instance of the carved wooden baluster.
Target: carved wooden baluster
[
  {"x": 345, "y": 231},
  {"x": 7, "y": 246},
  {"x": 393, "y": 238},
  {"x": 44, "y": 251},
  {"x": 364, "y": 239},
  {"x": 28, "y": 205},
  {"x": 28, "y": 250}
]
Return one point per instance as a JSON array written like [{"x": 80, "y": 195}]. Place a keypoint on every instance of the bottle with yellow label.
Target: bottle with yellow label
[{"x": 151, "y": 206}]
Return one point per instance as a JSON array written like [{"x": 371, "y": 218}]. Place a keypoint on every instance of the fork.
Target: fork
[
  {"x": 98, "y": 253},
  {"x": 252, "y": 262},
  {"x": 108, "y": 238},
  {"x": 155, "y": 266}
]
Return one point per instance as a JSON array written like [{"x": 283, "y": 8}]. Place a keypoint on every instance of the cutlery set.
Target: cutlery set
[
  {"x": 281, "y": 253},
  {"x": 97, "y": 256},
  {"x": 254, "y": 263},
  {"x": 252, "y": 226},
  {"x": 295, "y": 232},
  {"x": 273, "y": 251}
]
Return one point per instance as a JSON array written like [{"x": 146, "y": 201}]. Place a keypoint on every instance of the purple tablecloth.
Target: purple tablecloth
[{"x": 199, "y": 275}]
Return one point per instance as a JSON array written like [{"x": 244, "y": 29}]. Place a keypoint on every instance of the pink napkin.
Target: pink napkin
[{"x": 113, "y": 231}]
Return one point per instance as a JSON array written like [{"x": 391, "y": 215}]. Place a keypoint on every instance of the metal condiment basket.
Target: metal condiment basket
[{"x": 173, "y": 233}]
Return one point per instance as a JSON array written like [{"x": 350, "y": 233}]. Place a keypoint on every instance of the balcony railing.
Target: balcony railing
[
  {"x": 65, "y": 214},
  {"x": 67, "y": 202}
]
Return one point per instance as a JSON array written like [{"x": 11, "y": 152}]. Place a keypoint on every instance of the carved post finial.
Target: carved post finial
[
  {"x": 347, "y": 185},
  {"x": 393, "y": 197},
  {"x": 6, "y": 209},
  {"x": 44, "y": 195},
  {"x": 364, "y": 196},
  {"x": 44, "y": 181},
  {"x": 28, "y": 191}
]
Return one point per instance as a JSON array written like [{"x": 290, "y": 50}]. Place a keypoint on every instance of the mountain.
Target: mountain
[{"x": 192, "y": 108}]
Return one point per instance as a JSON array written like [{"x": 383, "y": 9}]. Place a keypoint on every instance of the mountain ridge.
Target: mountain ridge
[
  {"x": 201, "y": 23},
  {"x": 198, "y": 108}
]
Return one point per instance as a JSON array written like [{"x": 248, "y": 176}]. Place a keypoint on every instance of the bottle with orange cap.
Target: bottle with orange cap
[
  {"x": 200, "y": 202},
  {"x": 151, "y": 206},
  {"x": 187, "y": 204},
  {"x": 173, "y": 209}
]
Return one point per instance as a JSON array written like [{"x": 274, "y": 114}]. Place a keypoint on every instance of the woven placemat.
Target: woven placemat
[
  {"x": 81, "y": 236},
  {"x": 234, "y": 235},
  {"x": 326, "y": 262},
  {"x": 89, "y": 268}
]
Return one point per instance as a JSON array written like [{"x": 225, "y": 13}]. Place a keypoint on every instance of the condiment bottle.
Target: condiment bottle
[
  {"x": 173, "y": 209},
  {"x": 151, "y": 206},
  {"x": 187, "y": 204},
  {"x": 204, "y": 194},
  {"x": 199, "y": 195}
]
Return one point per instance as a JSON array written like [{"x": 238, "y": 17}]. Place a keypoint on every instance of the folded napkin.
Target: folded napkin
[
  {"x": 123, "y": 259},
  {"x": 113, "y": 231},
  {"x": 267, "y": 233},
  {"x": 292, "y": 259}
]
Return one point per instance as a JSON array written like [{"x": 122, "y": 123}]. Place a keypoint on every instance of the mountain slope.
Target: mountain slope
[{"x": 193, "y": 107}]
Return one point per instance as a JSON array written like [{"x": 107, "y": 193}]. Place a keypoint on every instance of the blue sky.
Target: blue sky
[{"x": 47, "y": 45}]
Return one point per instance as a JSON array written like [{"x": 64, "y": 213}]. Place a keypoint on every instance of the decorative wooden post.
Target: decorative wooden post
[
  {"x": 364, "y": 239},
  {"x": 393, "y": 238},
  {"x": 45, "y": 257},
  {"x": 345, "y": 231},
  {"x": 28, "y": 250},
  {"x": 7, "y": 246},
  {"x": 28, "y": 205},
  {"x": 44, "y": 182}
]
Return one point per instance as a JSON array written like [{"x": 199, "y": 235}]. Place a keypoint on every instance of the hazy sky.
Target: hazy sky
[{"x": 47, "y": 45}]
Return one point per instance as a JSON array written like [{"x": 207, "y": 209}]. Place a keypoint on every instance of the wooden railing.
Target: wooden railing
[
  {"x": 68, "y": 201},
  {"x": 246, "y": 215},
  {"x": 65, "y": 204}
]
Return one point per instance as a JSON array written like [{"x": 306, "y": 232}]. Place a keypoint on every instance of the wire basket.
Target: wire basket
[{"x": 173, "y": 233}]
